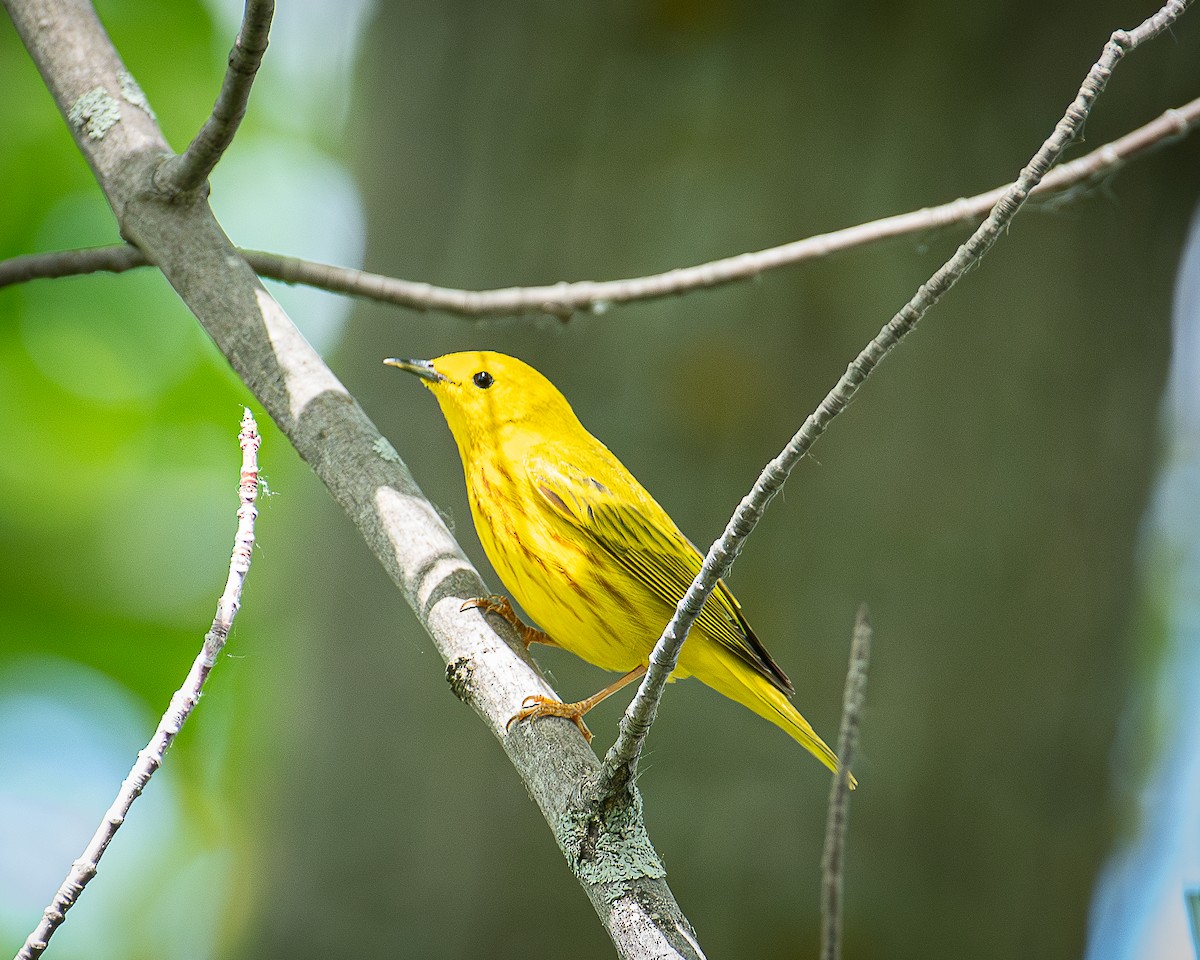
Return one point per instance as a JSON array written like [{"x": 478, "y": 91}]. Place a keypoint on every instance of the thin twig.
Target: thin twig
[
  {"x": 181, "y": 706},
  {"x": 190, "y": 170},
  {"x": 70, "y": 263},
  {"x": 564, "y": 299},
  {"x": 620, "y": 764},
  {"x": 837, "y": 819}
]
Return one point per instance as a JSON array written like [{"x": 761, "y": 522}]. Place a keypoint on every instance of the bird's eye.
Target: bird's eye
[{"x": 483, "y": 379}]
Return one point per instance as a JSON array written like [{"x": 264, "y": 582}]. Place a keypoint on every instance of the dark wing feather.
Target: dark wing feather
[{"x": 630, "y": 526}]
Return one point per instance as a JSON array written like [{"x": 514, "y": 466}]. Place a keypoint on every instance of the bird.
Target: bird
[{"x": 583, "y": 547}]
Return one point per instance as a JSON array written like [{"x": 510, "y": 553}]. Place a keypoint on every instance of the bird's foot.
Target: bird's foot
[
  {"x": 536, "y": 707},
  {"x": 501, "y": 606}
]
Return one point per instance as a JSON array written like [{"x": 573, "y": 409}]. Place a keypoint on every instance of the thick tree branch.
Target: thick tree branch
[
  {"x": 190, "y": 170},
  {"x": 180, "y": 708},
  {"x": 838, "y": 817},
  {"x": 564, "y": 299},
  {"x": 621, "y": 876},
  {"x": 620, "y": 764}
]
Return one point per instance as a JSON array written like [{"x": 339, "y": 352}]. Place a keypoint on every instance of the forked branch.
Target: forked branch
[
  {"x": 189, "y": 170},
  {"x": 364, "y": 474}
]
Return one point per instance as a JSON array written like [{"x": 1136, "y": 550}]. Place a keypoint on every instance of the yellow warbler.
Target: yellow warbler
[{"x": 588, "y": 553}]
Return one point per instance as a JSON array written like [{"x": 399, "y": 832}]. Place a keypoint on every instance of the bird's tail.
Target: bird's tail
[
  {"x": 752, "y": 690},
  {"x": 779, "y": 710}
]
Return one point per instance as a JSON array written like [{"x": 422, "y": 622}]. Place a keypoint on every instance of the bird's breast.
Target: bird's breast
[{"x": 572, "y": 591}]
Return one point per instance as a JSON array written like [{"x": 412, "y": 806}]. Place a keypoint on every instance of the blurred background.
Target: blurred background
[{"x": 1013, "y": 494}]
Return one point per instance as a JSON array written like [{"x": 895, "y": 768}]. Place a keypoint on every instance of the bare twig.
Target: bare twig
[
  {"x": 181, "y": 706},
  {"x": 837, "y": 819},
  {"x": 70, "y": 263},
  {"x": 189, "y": 170},
  {"x": 620, "y": 764},
  {"x": 564, "y": 299}
]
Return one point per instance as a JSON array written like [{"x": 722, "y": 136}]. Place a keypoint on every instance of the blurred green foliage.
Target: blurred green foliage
[
  {"x": 983, "y": 495},
  {"x": 120, "y": 420}
]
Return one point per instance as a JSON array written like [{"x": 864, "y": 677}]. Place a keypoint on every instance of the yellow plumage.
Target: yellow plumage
[{"x": 588, "y": 553}]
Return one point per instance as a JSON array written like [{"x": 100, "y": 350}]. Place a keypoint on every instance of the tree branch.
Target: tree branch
[
  {"x": 180, "y": 708},
  {"x": 620, "y": 763},
  {"x": 837, "y": 820},
  {"x": 70, "y": 263},
  {"x": 564, "y": 299},
  {"x": 190, "y": 170},
  {"x": 490, "y": 671}
]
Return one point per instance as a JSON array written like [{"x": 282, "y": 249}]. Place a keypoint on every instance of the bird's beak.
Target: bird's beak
[{"x": 422, "y": 368}]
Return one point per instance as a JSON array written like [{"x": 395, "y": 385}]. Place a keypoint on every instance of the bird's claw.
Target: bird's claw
[
  {"x": 492, "y": 603},
  {"x": 500, "y": 605},
  {"x": 537, "y": 707}
]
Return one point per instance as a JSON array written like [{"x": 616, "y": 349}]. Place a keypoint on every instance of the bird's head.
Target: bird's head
[{"x": 484, "y": 395}]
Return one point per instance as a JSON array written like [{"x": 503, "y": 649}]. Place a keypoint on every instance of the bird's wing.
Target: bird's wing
[{"x": 622, "y": 519}]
